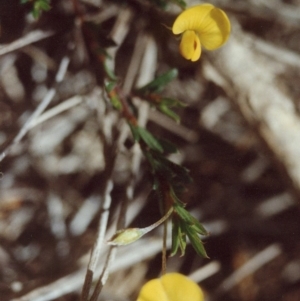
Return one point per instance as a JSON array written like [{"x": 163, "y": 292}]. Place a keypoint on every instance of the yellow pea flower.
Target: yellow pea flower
[
  {"x": 171, "y": 287},
  {"x": 199, "y": 25}
]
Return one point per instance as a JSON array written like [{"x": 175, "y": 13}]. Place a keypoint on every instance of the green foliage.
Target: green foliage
[
  {"x": 168, "y": 147},
  {"x": 169, "y": 179},
  {"x": 141, "y": 134},
  {"x": 184, "y": 224},
  {"x": 158, "y": 83},
  {"x": 38, "y": 6},
  {"x": 151, "y": 93},
  {"x": 167, "y": 103},
  {"x": 110, "y": 88},
  {"x": 150, "y": 140}
]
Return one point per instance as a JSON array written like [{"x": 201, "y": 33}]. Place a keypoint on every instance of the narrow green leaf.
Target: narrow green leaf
[
  {"x": 112, "y": 94},
  {"x": 182, "y": 240},
  {"x": 135, "y": 132},
  {"x": 178, "y": 238},
  {"x": 172, "y": 170},
  {"x": 181, "y": 172},
  {"x": 109, "y": 86},
  {"x": 190, "y": 220},
  {"x": 150, "y": 140},
  {"x": 168, "y": 146},
  {"x": 184, "y": 214},
  {"x": 44, "y": 5},
  {"x": 172, "y": 102},
  {"x": 175, "y": 238},
  {"x": 164, "y": 109},
  {"x": 159, "y": 82},
  {"x": 35, "y": 13},
  {"x": 198, "y": 226},
  {"x": 196, "y": 241},
  {"x": 108, "y": 71}
]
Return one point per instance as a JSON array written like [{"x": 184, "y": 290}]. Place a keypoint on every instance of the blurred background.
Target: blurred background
[{"x": 62, "y": 142}]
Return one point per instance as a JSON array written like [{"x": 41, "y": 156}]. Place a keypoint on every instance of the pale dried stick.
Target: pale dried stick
[
  {"x": 85, "y": 215},
  {"x": 57, "y": 224},
  {"x": 112, "y": 250},
  {"x": 250, "y": 267},
  {"x": 64, "y": 106},
  {"x": 40, "y": 57},
  {"x": 118, "y": 34},
  {"x": 129, "y": 256},
  {"x": 99, "y": 241},
  {"x": 41, "y": 107},
  {"x": 30, "y": 38},
  {"x": 206, "y": 271},
  {"x": 173, "y": 127},
  {"x": 104, "y": 15}
]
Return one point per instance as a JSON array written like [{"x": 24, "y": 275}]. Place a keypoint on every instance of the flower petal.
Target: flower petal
[
  {"x": 190, "y": 47},
  {"x": 215, "y": 29},
  {"x": 171, "y": 287},
  {"x": 191, "y": 18},
  {"x": 211, "y": 24},
  {"x": 179, "y": 287},
  {"x": 153, "y": 291}
]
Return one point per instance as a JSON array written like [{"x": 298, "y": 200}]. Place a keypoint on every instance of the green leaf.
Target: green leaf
[
  {"x": 44, "y": 5},
  {"x": 172, "y": 102},
  {"x": 184, "y": 214},
  {"x": 112, "y": 94},
  {"x": 195, "y": 241},
  {"x": 168, "y": 146},
  {"x": 108, "y": 71},
  {"x": 150, "y": 140},
  {"x": 190, "y": 220},
  {"x": 182, "y": 228},
  {"x": 182, "y": 240},
  {"x": 38, "y": 6},
  {"x": 35, "y": 13},
  {"x": 178, "y": 237},
  {"x": 175, "y": 238},
  {"x": 169, "y": 113},
  {"x": 135, "y": 132},
  {"x": 176, "y": 171},
  {"x": 198, "y": 227},
  {"x": 159, "y": 82}
]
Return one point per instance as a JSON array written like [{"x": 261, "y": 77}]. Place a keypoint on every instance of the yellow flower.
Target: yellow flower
[
  {"x": 171, "y": 287},
  {"x": 203, "y": 25}
]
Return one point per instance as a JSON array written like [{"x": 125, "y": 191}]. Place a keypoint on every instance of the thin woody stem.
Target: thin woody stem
[
  {"x": 163, "y": 219},
  {"x": 164, "y": 249}
]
